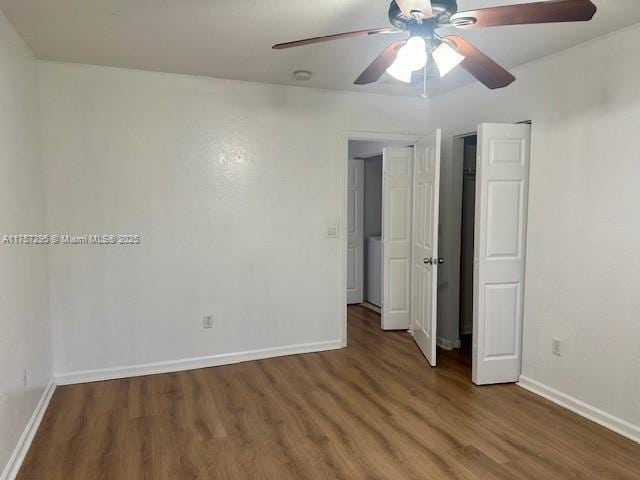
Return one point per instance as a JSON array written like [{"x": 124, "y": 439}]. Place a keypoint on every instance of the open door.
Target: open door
[
  {"x": 502, "y": 192},
  {"x": 397, "y": 165},
  {"x": 426, "y": 204},
  {"x": 355, "y": 233}
]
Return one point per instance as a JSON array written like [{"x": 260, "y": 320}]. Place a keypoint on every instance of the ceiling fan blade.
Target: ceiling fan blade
[
  {"x": 409, "y": 6},
  {"x": 479, "y": 65},
  {"x": 338, "y": 36},
  {"x": 551, "y": 11},
  {"x": 375, "y": 70}
]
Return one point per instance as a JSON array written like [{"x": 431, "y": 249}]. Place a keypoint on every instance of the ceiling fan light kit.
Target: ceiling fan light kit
[
  {"x": 412, "y": 56},
  {"x": 446, "y": 57},
  {"x": 421, "y": 20}
]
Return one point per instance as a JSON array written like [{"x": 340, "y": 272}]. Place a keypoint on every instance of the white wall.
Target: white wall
[
  {"x": 24, "y": 318},
  {"x": 232, "y": 186},
  {"x": 583, "y": 270}
]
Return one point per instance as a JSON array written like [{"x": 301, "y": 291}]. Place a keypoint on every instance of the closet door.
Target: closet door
[{"x": 502, "y": 190}]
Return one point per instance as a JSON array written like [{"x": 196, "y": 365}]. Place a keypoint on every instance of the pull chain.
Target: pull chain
[{"x": 424, "y": 89}]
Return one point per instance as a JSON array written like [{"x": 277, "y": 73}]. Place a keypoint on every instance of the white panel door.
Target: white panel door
[
  {"x": 396, "y": 237},
  {"x": 355, "y": 233},
  {"x": 502, "y": 189},
  {"x": 426, "y": 202}
]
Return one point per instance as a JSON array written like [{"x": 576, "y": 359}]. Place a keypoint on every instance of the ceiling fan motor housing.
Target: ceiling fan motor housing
[{"x": 442, "y": 11}]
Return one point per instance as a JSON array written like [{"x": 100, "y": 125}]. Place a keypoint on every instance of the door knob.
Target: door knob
[{"x": 433, "y": 261}]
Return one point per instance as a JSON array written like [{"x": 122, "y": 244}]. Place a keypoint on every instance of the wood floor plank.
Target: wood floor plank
[{"x": 374, "y": 410}]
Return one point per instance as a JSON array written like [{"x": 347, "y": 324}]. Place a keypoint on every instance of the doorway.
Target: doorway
[
  {"x": 365, "y": 205},
  {"x": 467, "y": 233},
  {"x": 409, "y": 231},
  {"x": 364, "y": 250},
  {"x": 490, "y": 171}
]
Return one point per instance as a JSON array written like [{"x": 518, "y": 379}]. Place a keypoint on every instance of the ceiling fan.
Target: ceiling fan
[{"x": 422, "y": 19}]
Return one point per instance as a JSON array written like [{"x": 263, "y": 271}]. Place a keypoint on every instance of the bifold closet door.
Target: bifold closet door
[{"x": 502, "y": 189}]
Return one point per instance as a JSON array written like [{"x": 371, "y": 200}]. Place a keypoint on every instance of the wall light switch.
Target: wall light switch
[
  {"x": 332, "y": 231},
  {"x": 556, "y": 347}
]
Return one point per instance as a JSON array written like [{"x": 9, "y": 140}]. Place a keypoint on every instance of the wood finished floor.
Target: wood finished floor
[{"x": 373, "y": 410}]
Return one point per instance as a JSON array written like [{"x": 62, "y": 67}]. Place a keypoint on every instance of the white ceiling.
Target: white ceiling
[{"x": 233, "y": 38}]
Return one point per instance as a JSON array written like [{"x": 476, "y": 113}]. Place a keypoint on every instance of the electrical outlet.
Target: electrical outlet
[
  {"x": 556, "y": 347},
  {"x": 25, "y": 379},
  {"x": 207, "y": 321}
]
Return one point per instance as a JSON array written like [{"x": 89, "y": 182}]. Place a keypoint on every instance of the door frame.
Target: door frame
[{"x": 342, "y": 224}]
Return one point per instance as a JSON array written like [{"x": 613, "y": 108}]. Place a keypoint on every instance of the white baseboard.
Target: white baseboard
[
  {"x": 192, "y": 363},
  {"x": 447, "y": 344},
  {"x": 17, "y": 457},
  {"x": 583, "y": 409}
]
